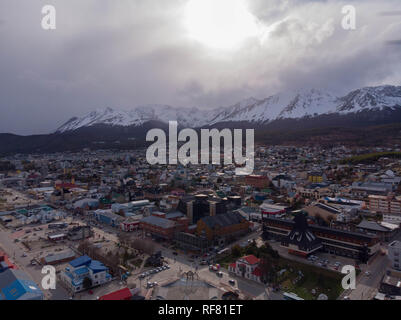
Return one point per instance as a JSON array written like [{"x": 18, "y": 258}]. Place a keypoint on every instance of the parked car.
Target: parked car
[
  {"x": 219, "y": 274},
  {"x": 232, "y": 282}
]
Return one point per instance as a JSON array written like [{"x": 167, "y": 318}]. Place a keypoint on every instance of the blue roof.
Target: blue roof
[
  {"x": 80, "y": 261},
  {"x": 97, "y": 266},
  {"x": 19, "y": 288},
  {"x": 81, "y": 271}
]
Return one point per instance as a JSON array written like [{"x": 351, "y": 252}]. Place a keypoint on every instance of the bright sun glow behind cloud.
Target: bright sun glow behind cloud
[{"x": 221, "y": 24}]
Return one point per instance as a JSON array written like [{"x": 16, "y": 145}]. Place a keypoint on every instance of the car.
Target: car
[
  {"x": 167, "y": 266},
  {"x": 232, "y": 282},
  {"x": 203, "y": 262},
  {"x": 23, "y": 255},
  {"x": 219, "y": 274},
  {"x": 368, "y": 273},
  {"x": 346, "y": 298}
]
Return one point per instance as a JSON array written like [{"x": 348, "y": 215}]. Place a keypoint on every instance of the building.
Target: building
[
  {"x": 130, "y": 224},
  {"x": 363, "y": 189},
  {"x": 267, "y": 208},
  {"x": 17, "y": 285},
  {"x": 383, "y": 232},
  {"x": 257, "y": 181},
  {"x": 247, "y": 267},
  {"x": 316, "y": 177},
  {"x": 201, "y": 205},
  {"x": 57, "y": 258},
  {"x": 192, "y": 242},
  {"x": 108, "y": 217},
  {"x": 347, "y": 243},
  {"x": 79, "y": 233},
  {"x": 388, "y": 206},
  {"x": 301, "y": 241},
  {"x": 160, "y": 227},
  {"x": 83, "y": 268},
  {"x": 324, "y": 211},
  {"x": 122, "y": 294},
  {"x": 223, "y": 228},
  {"x": 391, "y": 283},
  {"x": 58, "y": 236},
  {"x": 5, "y": 262},
  {"x": 394, "y": 254}
]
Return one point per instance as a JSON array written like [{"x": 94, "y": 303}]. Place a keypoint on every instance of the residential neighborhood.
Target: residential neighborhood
[{"x": 109, "y": 222}]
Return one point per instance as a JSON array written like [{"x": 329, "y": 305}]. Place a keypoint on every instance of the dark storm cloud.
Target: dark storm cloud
[{"x": 126, "y": 53}]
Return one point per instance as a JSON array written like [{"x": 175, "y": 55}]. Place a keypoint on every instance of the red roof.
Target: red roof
[
  {"x": 123, "y": 294},
  {"x": 251, "y": 259},
  {"x": 233, "y": 265},
  {"x": 4, "y": 257}
]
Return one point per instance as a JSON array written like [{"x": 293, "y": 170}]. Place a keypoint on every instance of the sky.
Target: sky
[{"x": 184, "y": 53}]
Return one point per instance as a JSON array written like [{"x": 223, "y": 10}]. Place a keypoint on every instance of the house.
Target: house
[
  {"x": 83, "y": 268},
  {"x": 247, "y": 267},
  {"x": 17, "y": 285}
]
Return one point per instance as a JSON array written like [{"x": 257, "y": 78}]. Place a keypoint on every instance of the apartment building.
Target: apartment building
[{"x": 389, "y": 206}]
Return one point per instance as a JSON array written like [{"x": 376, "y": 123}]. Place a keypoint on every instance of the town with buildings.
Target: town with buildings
[{"x": 117, "y": 228}]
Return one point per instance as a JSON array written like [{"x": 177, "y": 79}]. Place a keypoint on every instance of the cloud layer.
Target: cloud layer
[{"x": 124, "y": 53}]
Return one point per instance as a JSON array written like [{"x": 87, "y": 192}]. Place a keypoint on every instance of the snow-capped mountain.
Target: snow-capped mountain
[{"x": 287, "y": 105}]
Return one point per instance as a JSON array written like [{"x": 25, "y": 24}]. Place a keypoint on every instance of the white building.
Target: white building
[
  {"x": 394, "y": 253},
  {"x": 84, "y": 267},
  {"x": 247, "y": 267}
]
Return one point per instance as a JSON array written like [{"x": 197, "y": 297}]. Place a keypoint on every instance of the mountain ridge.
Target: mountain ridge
[{"x": 287, "y": 105}]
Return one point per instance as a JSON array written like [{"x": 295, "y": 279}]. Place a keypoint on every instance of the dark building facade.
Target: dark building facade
[
  {"x": 199, "y": 206},
  {"x": 360, "y": 246}
]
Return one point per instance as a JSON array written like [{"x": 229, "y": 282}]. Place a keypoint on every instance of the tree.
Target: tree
[{"x": 236, "y": 251}]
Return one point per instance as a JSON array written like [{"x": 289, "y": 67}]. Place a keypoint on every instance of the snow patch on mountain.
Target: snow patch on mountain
[{"x": 292, "y": 104}]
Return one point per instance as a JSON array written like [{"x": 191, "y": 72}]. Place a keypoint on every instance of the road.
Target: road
[{"x": 367, "y": 285}]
